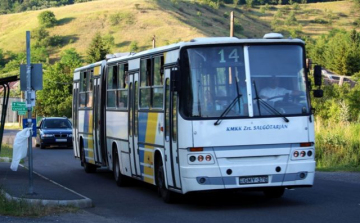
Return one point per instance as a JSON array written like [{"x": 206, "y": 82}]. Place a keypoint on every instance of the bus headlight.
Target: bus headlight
[{"x": 200, "y": 159}]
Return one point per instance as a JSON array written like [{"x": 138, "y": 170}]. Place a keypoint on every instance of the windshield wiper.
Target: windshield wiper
[
  {"x": 228, "y": 108},
  {"x": 267, "y": 105},
  {"x": 257, "y": 98},
  {"x": 272, "y": 109}
]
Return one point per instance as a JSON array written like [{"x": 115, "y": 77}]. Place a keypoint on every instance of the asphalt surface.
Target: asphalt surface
[{"x": 335, "y": 197}]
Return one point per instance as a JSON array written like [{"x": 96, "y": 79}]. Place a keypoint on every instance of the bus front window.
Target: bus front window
[
  {"x": 217, "y": 82},
  {"x": 278, "y": 80}
]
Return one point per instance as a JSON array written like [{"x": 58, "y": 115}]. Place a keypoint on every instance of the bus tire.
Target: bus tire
[
  {"x": 167, "y": 196},
  {"x": 88, "y": 167},
  {"x": 275, "y": 192},
  {"x": 120, "y": 179}
]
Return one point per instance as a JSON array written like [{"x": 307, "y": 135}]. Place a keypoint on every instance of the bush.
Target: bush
[
  {"x": 117, "y": 18},
  {"x": 356, "y": 23},
  {"x": 47, "y": 19},
  {"x": 134, "y": 46},
  {"x": 319, "y": 21}
]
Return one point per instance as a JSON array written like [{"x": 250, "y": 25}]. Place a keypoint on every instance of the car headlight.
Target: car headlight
[
  {"x": 70, "y": 135},
  {"x": 47, "y": 135}
]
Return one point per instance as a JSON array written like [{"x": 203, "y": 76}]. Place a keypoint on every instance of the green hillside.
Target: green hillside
[{"x": 170, "y": 21}]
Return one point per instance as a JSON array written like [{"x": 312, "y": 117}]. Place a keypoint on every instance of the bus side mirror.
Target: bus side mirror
[
  {"x": 317, "y": 75},
  {"x": 175, "y": 80},
  {"x": 318, "y": 93}
]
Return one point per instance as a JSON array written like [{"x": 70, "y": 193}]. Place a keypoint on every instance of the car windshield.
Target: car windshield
[
  {"x": 220, "y": 84},
  {"x": 56, "y": 124}
]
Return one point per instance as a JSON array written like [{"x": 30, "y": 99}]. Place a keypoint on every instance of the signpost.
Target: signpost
[{"x": 29, "y": 83}]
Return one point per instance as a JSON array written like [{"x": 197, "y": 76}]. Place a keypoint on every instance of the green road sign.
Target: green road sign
[
  {"x": 19, "y": 106},
  {"x": 21, "y": 112}
]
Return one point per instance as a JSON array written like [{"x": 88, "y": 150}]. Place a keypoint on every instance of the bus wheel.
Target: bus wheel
[
  {"x": 275, "y": 192},
  {"x": 89, "y": 168},
  {"x": 167, "y": 196},
  {"x": 120, "y": 179}
]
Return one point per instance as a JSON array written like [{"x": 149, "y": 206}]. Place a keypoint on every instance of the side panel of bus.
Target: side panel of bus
[
  {"x": 75, "y": 118},
  {"x": 171, "y": 145}
]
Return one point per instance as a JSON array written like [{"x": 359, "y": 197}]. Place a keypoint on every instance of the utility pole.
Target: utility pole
[
  {"x": 153, "y": 41},
  {"x": 232, "y": 24},
  {"x": 29, "y": 107}
]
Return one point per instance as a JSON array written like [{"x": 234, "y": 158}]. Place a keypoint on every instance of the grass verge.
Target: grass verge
[
  {"x": 24, "y": 209},
  {"x": 13, "y": 126},
  {"x": 338, "y": 146},
  {"x": 6, "y": 151}
]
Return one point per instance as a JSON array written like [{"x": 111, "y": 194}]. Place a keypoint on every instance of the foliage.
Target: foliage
[
  {"x": 22, "y": 208},
  {"x": 337, "y": 145},
  {"x": 56, "y": 97},
  {"x": 117, "y": 18},
  {"x": 97, "y": 50},
  {"x": 47, "y": 19},
  {"x": 2, "y": 60},
  {"x": 338, "y": 51},
  {"x": 70, "y": 59},
  {"x": 41, "y": 37},
  {"x": 250, "y": 3},
  {"x": 134, "y": 46},
  {"x": 11, "y": 6},
  {"x": 291, "y": 19}
]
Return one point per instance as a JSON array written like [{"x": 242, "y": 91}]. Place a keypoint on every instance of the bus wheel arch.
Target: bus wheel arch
[
  {"x": 120, "y": 179},
  {"x": 88, "y": 167},
  {"x": 163, "y": 191}
]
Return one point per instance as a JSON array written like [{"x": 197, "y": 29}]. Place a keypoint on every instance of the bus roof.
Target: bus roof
[
  {"x": 194, "y": 42},
  {"x": 90, "y": 66}
]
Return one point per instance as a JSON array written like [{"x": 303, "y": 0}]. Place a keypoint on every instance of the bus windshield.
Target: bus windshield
[{"x": 218, "y": 86}]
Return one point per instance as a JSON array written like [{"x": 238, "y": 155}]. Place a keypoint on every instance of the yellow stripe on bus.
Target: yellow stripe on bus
[
  {"x": 97, "y": 70},
  {"x": 151, "y": 128},
  {"x": 148, "y": 180}
]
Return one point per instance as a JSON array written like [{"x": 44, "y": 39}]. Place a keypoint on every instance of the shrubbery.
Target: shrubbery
[{"x": 47, "y": 19}]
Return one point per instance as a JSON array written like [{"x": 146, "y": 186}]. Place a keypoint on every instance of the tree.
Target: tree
[
  {"x": 2, "y": 62},
  {"x": 56, "y": 97},
  {"x": 97, "y": 49},
  {"x": 291, "y": 19},
  {"x": 338, "y": 51},
  {"x": 41, "y": 37},
  {"x": 47, "y": 19},
  {"x": 70, "y": 59},
  {"x": 134, "y": 46}
]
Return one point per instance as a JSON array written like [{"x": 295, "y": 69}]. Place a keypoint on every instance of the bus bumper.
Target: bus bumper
[{"x": 227, "y": 175}]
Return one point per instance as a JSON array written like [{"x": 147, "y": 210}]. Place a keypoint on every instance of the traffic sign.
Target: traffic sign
[
  {"x": 21, "y": 112},
  {"x": 19, "y": 106}
]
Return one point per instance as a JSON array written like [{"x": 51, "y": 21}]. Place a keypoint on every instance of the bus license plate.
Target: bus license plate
[{"x": 254, "y": 180}]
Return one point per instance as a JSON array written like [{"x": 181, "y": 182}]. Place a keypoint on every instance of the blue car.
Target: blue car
[{"x": 54, "y": 131}]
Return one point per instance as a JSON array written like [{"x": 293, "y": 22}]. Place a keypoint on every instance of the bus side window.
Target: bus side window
[
  {"x": 111, "y": 81},
  {"x": 145, "y": 83},
  {"x": 157, "y": 88},
  {"x": 122, "y": 92},
  {"x": 89, "y": 93},
  {"x": 82, "y": 93}
]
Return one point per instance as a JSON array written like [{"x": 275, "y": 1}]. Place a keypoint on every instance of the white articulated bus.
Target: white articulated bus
[{"x": 208, "y": 114}]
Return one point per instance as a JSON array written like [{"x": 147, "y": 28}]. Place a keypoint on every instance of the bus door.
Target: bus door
[
  {"x": 133, "y": 124},
  {"x": 96, "y": 110},
  {"x": 75, "y": 119},
  {"x": 171, "y": 145}
]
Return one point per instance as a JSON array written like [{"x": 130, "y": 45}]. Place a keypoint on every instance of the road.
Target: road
[{"x": 335, "y": 197}]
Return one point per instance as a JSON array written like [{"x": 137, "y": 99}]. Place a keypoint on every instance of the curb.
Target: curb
[
  {"x": 5, "y": 159},
  {"x": 80, "y": 203}
]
